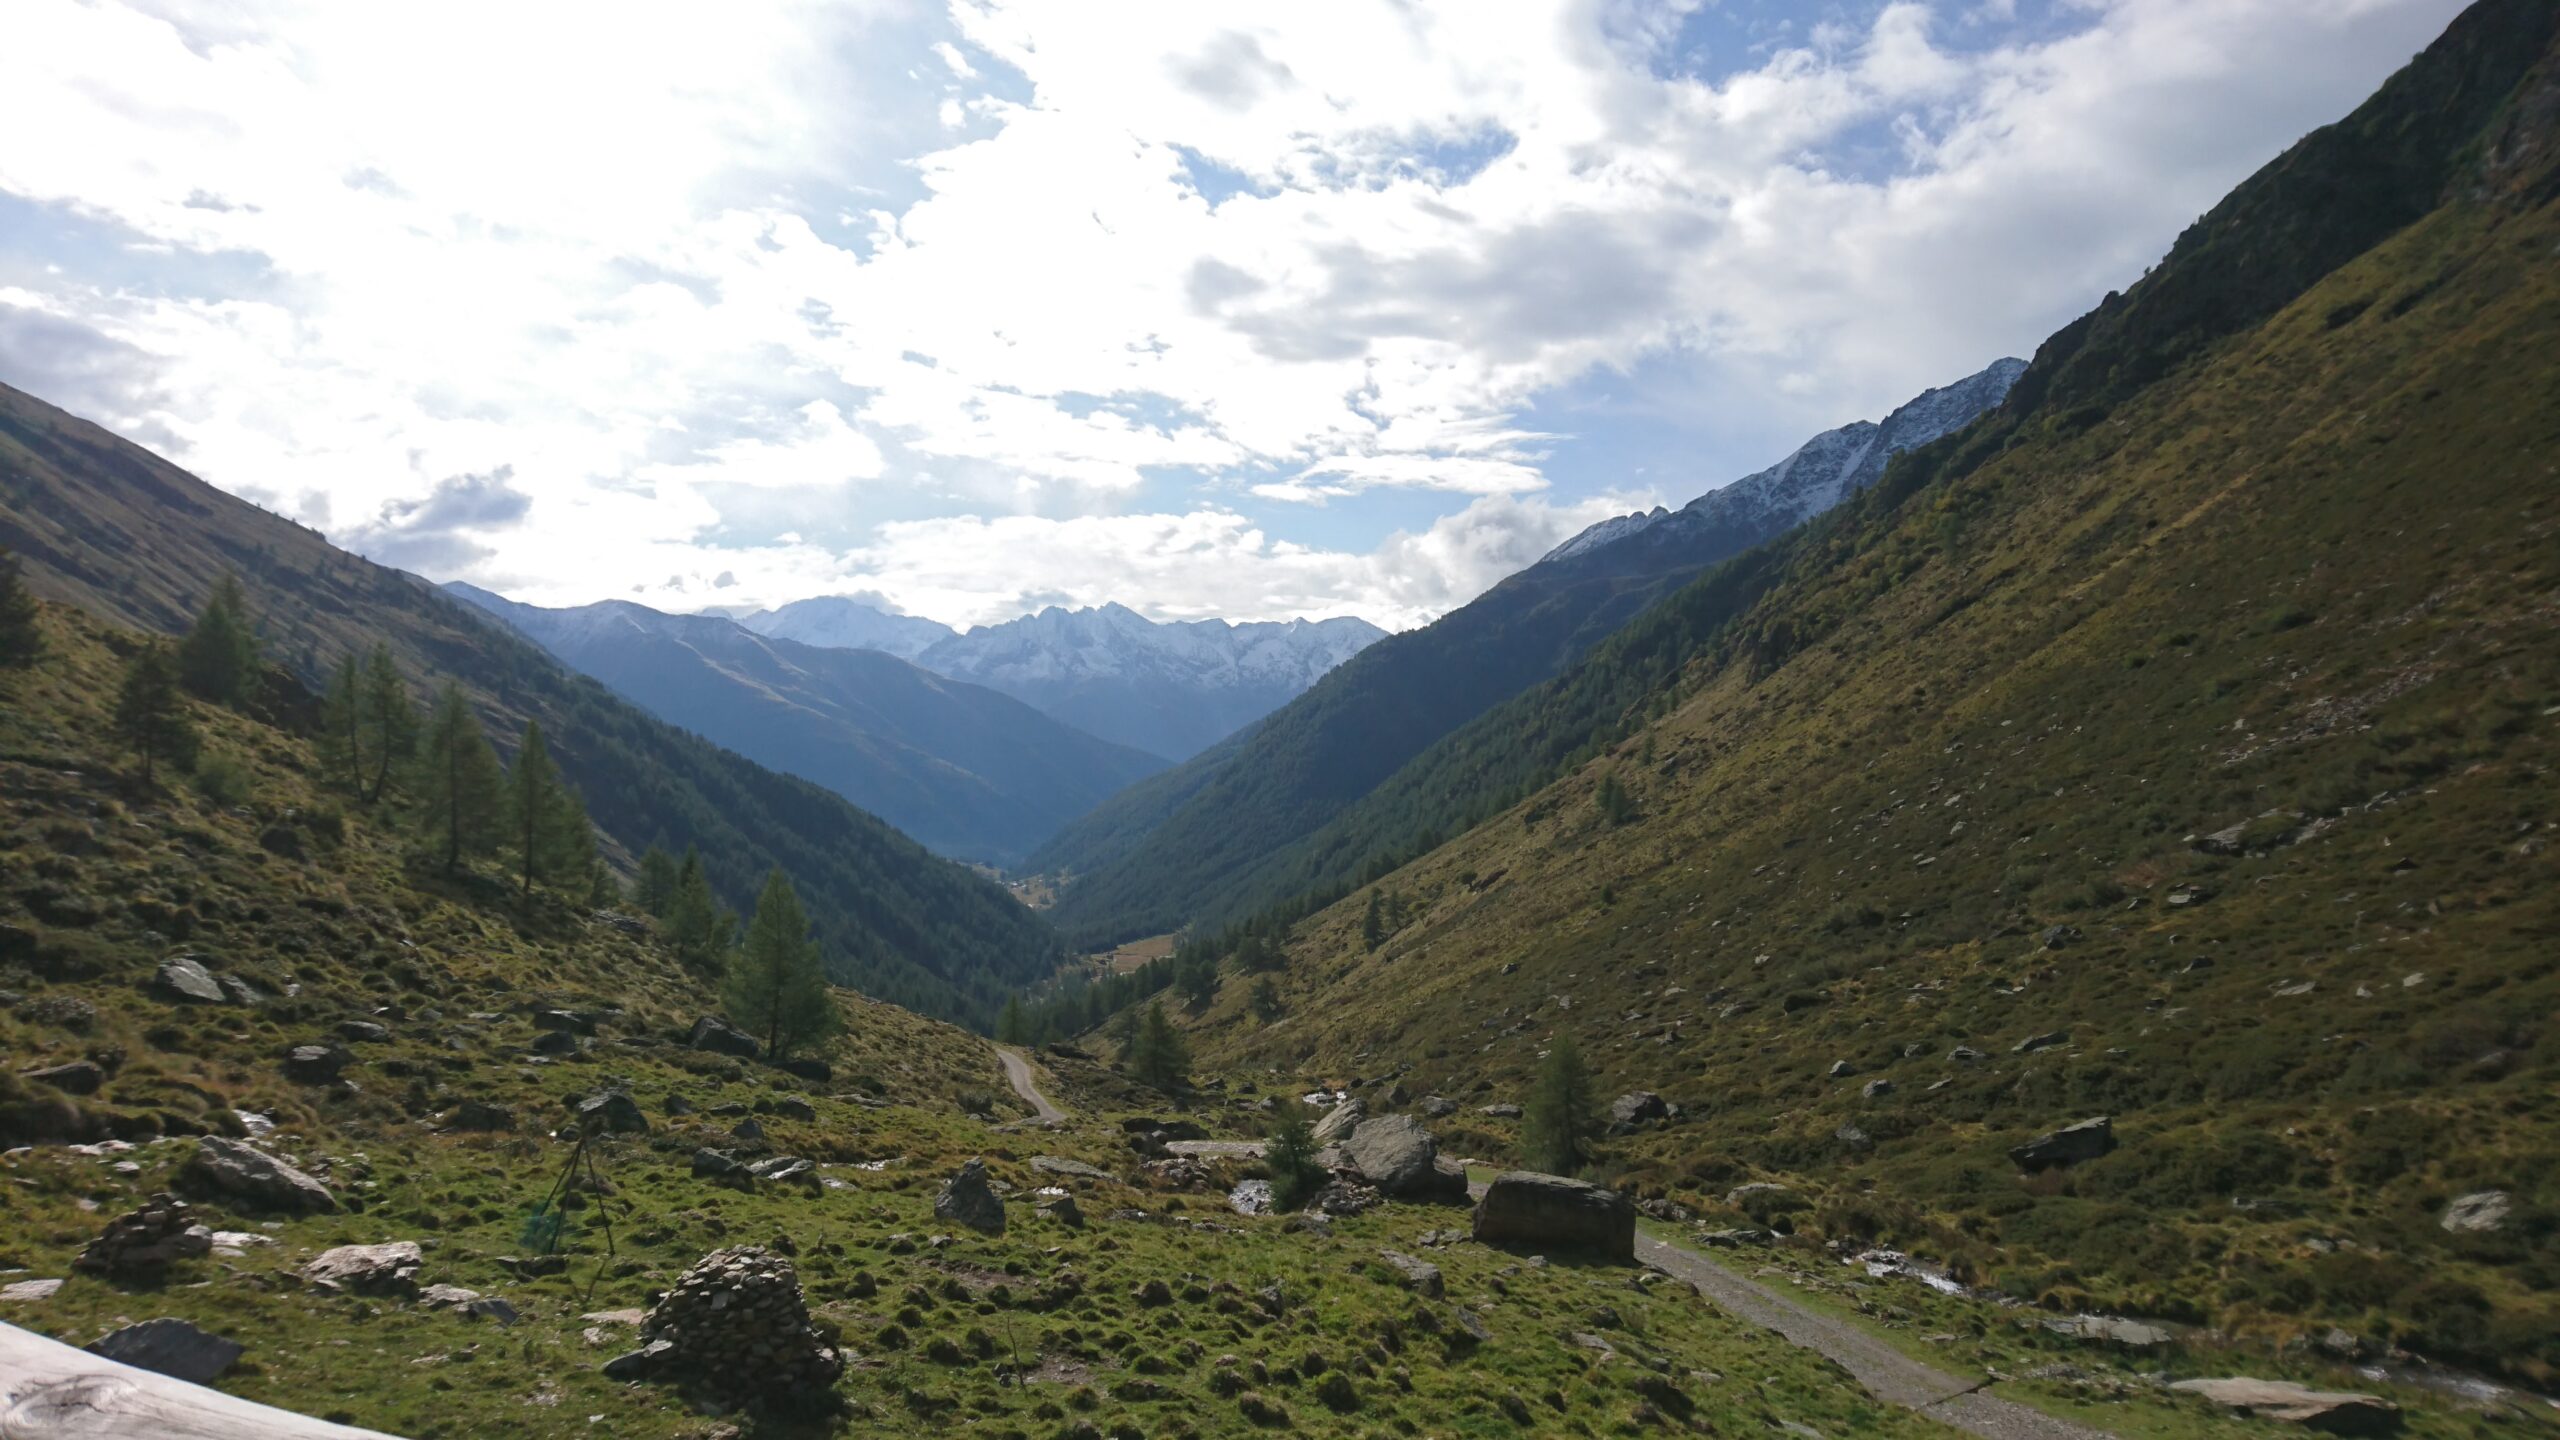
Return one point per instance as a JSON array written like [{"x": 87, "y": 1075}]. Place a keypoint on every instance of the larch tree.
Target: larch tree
[
  {"x": 777, "y": 985},
  {"x": 697, "y": 929},
  {"x": 1159, "y": 1056},
  {"x": 21, "y": 643},
  {"x": 461, "y": 788},
  {"x": 218, "y": 659},
  {"x": 546, "y": 825},
  {"x": 342, "y": 753},
  {"x": 388, "y": 720},
  {"x": 1562, "y": 1117},
  {"x": 151, "y": 714},
  {"x": 1289, "y": 1152},
  {"x": 656, "y": 887}
]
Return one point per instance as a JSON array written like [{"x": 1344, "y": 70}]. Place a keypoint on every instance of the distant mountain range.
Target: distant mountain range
[
  {"x": 970, "y": 773},
  {"x": 1246, "y": 824},
  {"x": 1171, "y": 688}
]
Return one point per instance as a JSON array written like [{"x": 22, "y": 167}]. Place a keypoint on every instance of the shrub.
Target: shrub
[{"x": 222, "y": 780}]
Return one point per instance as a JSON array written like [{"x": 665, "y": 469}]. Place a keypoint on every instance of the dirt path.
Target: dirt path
[
  {"x": 1017, "y": 1073},
  {"x": 1887, "y": 1373}
]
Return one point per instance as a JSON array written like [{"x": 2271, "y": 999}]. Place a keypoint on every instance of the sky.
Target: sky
[{"x": 1250, "y": 311}]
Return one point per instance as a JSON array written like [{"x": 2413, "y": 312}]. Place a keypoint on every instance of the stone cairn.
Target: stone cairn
[
  {"x": 735, "y": 1323},
  {"x": 147, "y": 1241}
]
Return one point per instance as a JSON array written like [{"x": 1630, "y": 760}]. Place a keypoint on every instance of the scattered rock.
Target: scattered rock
[
  {"x": 1422, "y": 1275},
  {"x": 1340, "y": 1121},
  {"x": 786, "y": 1170},
  {"x": 170, "y": 1347},
  {"x": 557, "y": 1042},
  {"x": 1343, "y": 1198},
  {"x": 564, "y": 1022},
  {"x": 611, "y": 1112},
  {"x": 1964, "y": 1054},
  {"x": 677, "y": 1105},
  {"x": 1437, "y": 1107},
  {"x": 390, "y": 1268},
  {"x": 2336, "y": 1412},
  {"x": 1062, "y": 1208},
  {"x": 29, "y": 1291},
  {"x": 806, "y": 1068},
  {"x": 1394, "y": 1153},
  {"x": 792, "y": 1108},
  {"x": 1876, "y": 1089},
  {"x": 1250, "y": 1197},
  {"x": 2111, "y": 1330},
  {"x": 1638, "y": 1107},
  {"x": 1059, "y": 1165},
  {"x": 750, "y": 1130},
  {"x": 315, "y": 1064},
  {"x": 1504, "y": 1111},
  {"x": 363, "y": 1031},
  {"x": 966, "y": 1199},
  {"x": 80, "y": 1077},
  {"x": 1550, "y": 1211},
  {"x": 1842, "y": 1070},
  {"x": 185, "y": 980},
  {"x": 2044, "y": 1041},
  {"x": 245, "y": 1172},
  {"x": 481, "y": 1115},
  {"x": 2481, "y": 1212},
  {"x": 147, "y": 1241},
  {"x": 2058, "y": 936},
  {"x": 722, "y": 1038},
  {"x": 2069, "y": 1145},
  {"x": 716, "y": 1165}
]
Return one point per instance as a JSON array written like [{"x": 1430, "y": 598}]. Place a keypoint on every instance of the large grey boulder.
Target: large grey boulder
[
  {"x": 967, "y": 1199},
  {"x": 1551, "y": 1212},
  {"x": 1636, "y": 1108},
  {"x": 2069, "y": 1145},
  {"x": 147, "y": 1241},
  {"x": 170, "y": 1347},
  {"x": 1394, "y": 1153},
  {"x": 245, "y": 1172},
  {"x": 2336, "y": 1412},
  {"x": 390, "y": 1268},
  {"x": 722, "y": 1038},
  {"x": 315, "y": 1064},
  {"x": 80, "y": 1077},
  {"x": 2478, "y": 1213},
  {"x": 185, "y": 980},
  {"x": 1340, "y": 1121},
  {"x": 611, "y": 1113}
]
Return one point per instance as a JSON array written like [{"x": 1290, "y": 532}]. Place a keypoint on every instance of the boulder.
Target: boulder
[
  {"x": 315, "y": 1064},
  {"x": 2336, "y": 1412},
  {"x": 1394, "y": 1153},
  {"x": 1638, "y": 1107},
  {"x": 1437, "y": 1107},
  {"x": 147, "y": 1241},
  {"x": 1060, "y": 1165},
  {"x": 564, "y": 1022},
  {"x": 363, "y": 1032},
  {"x": 80, "y": 1077},
  {"x": 2045, "y": 1041},
  {"x": 709, "y": 1164},
  {"x": 556, "y": 1042},
  {"x": 786, "y": 1170},
  {"x": 722, "y": 1038},
  {"x": 793, "y": 1108},
  {"x": 1422, "y": 1275},
  {"x": 245, "y": 1172},
  {"x": 1542, "y": 1212},
  {"x": 1340, "y": 1121},
  {"x": 967, "y": 1199},
  {"x": 390, "y": 1268},
  {"x": 2478, "y": 1213},
  {"x": 1876, "y": 1089},
  {"x": 481, "y": 1115},
  {"x": 2069, "y": 1145},
  {"x": 170, "y": 1347},
  {"x": 806, "y": 1068},
  {"x": 1503, "y": 1111},
  {"x": 186, "y": 981},
  {"x": 736, "y": 1324},
  {"x": 611, "y": 1112}
]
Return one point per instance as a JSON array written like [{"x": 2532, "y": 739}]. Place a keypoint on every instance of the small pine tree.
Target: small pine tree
[
  {"x": 697, "y": 929},
  {"x": 1011, "y": 1026},
  {"x": 1158, "y": 1055},
  {"x": 218, "y": 659},
  {"x": 1562, "y": 1116},
  {"x": 1373, "y": 926},
  {"x": 1265, "y": 1000},
  {"x": 1289, "y": 1151},
  {"x": 656, "y": 887},
  {"x": 1198, "y": 979},
  {"x": 21, "y": 643},
  {"x": 388, "y": 721},
  {"x": 1616, "y": 805},
  {"x": 151, "y": 715},
  {"x": 460, "y": 784},
  {"x": 776, "y": 985},
  {"x": 545, "y": 823},
  {"x": 342, "y": 753}
]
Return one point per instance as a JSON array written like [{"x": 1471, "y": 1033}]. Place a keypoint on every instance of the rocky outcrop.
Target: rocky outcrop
[
  {"x": 315, "y": 1064},
  {"x": 2478, "y": 1213},
  {"x": 390, "y": 1268},
  {"x": 186, "y": 981},
  {"x": 722, "y": 1038},
  {"x": 2336, "y": 1412},
  {"x": 1394, "y": 1153},
  {"x": 1551, "y": 1212},
  {"x": 736, "y": 1324},
  {"x": 1640, "y": 1107},
  {"x": 244, "y": 1172},
  {"x": 967, "y": 1199},
  {"x": 611, "y": 1113},
  {"x": 142, "y": 1244},
  {"x": 1340, "y": 1121},
  {"x": 2069, "y": 1145},
  {"x": 170, "y": 1347}
]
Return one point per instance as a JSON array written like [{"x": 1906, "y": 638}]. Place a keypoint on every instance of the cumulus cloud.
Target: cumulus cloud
[{"x": 445, "y": 530}]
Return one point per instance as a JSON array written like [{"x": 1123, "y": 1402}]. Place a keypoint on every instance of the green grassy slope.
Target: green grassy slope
[
  {"x": 1939, "y": 774},
  {"x": 104, "y": 524}
]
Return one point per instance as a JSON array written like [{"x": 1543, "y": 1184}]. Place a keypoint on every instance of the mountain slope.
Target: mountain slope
[
  {"x": 1172, "y": 689},
  {"x": 970, "y": 773},
  {"x": 2190, "y": 762},
  {"x": 1239, "y": 842},
  {"x": 105, "y": 525},
  {"x": 840, "y": 623}
]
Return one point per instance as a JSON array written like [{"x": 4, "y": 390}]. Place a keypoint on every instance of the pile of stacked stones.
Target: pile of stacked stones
[
  {"x": 736, "y": 1323},
  {"x": 147, "y": 1241}
]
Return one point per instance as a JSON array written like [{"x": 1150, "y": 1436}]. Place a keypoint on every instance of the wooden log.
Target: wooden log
[{"x": 50, "y": 1391}]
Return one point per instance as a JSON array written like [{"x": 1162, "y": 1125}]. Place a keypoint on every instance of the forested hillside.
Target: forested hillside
[{"x": 106, "y": 525}]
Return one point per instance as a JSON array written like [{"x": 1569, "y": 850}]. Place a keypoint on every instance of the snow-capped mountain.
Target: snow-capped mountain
[
  {"x": 838, "y": 623},
  {"x": 1173, "y": 688},
  {"x": 1822, "y": 472}
]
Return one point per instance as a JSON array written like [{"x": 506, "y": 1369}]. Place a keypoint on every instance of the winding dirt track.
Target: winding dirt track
[{"x": 1017, "y": 1073}]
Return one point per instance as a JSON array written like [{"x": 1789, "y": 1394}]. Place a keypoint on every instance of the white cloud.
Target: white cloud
[{"x": 974, "y": 300}]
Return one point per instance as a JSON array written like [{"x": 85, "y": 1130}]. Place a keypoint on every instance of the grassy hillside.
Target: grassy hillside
[
  {"x": 2178, "y": 742},
  {"x": 106, "y": 525},
  {"x": 1160, "y": 1313}
]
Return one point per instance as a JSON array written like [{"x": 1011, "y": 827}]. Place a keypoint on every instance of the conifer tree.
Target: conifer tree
[
  {"x": 698, "y": 930},
  {"x": 1562, "y": 1116},
  {"x": 388, "y": 722},
  {"x": 460, "y": 785},
  {"x": 1158, "y": 1055},
  {"x": 1265, "y": 1000},
  {"x": 776, "y": 985},
  {"x": 1373, "y": 926},
  {"x": 218, "y": 659},
  {"x": 342, "y": 755},
  {"x": 1616, "y": 805},
  {"x": 1197, "y": 977},
  {"x": 151, "y": 715},
  {"x": 546, "y": 825},
  {"x": 656, "y": 887},
  {"x": 1011, "y": 1027},
  {"x": 1289, "y": 1152},
  {"x": 21, "y": 643}
]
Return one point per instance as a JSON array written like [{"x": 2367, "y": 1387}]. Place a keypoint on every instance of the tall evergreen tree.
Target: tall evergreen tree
[
  {"x": 342, "y": 757},
  {"x": 388, "y": 720},
  {"x": 1562, "y": 1117},
  {"x": 656, "y": 888},
  {"x": 777, "y": 986},
  {"x": 1158, "y": 1055},
  {"x": 697, "y": 929},
  {"x": 151, "y": 715},
  {"x": 1373, "y": 925},
  {"x": 21, "y": 643},
  {"x": 461, "y": 787},
  {"x": 1265, "y": 1000},
  {"x": 546, "y": 826},
  {"x": 1011, "y": 1026},
  {"x": 1197, "y": 977},
  {"x": 1289, "y": 1152},
  {"x": 218, "y": 659}
]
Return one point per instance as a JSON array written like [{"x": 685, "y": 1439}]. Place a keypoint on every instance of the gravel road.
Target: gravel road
[{"x": 1017, "y": 1072}]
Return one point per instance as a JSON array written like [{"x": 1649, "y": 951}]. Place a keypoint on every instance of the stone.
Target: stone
[
  {"x": 677, "y": 1105},
  {"x": 241, "y": 992},
  {"x": 2481, "y": 1212},
  {"x": 147, "y": 1241},
  {"x": 967, "y": 1199},
  {"x": 363, "y": 1031},
  {"x": 1841, "y": 1070},
  {"x": 711, "y": 1164},
  {"x": 245, "y": 1172},
  {"x": 1757, "y": 1193},
  {"x": 490, "y": 1307},
  {"x": 170, "y": 1347},
  {"x": 1077, "y": 1169},
  {"x": 1422, "y": 1275},
  {"x": 722, "y": 1038},
  {"x": 389, "y": 1268},
  {"x": 1062, "y": 1208},
  {"x": 556, "y": 1042},
  {"x": 564, "y": 1022},
  {"x": 1635, "y": 1108},
  {"x": 786, "y": 1170},
  {"x": 807, "y": 1067},
  {"x": 791, "y": 1108},
  {"x": 1343, "y": 1198},
  {"x": 1394, "y": 1153},
  {"x": 80, "y": 1077},
  {"x": 1522, "y": 1207},
  {"x": 2057, "y": 936},
  {"x": 481, "y": 1115},
  {"x": 29, "y": 1291},
  {"x": 1340, "y": 1121},
  {"x": 1437, "y": 1107},
  {"x": 2045, "y": 1041},
  {"x": 610, "y": 1112},
  {"x": 2111, "y": 1330},
  {"x": 2335, "y": 1412},
  {"x": 2086, "y": 1140},
  {"x": 749, "y": 1130},
  {"x": 315, "y": 1064},
  {"x": 735, "y": 1324},
  {"x": 1504, "y": 1111},
  {"x": 186, "y": 981},
  {"x": 1876, "y": 1089},
  {"x": 445, "y": 1297}
]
